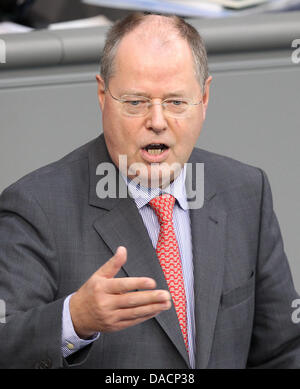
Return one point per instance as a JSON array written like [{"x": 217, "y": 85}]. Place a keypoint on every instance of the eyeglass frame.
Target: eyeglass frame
[{"x": 150, "y": 103}]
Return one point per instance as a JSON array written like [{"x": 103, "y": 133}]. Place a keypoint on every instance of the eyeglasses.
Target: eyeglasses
[{"x": 140, "y": 105}]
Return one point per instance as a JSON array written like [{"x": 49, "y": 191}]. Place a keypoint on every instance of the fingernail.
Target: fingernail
[
  {"x": 164, "y": 295},
  {"x": 167, "y": 305},
  {"x": 120, "y": 250},
  {"x": 149, "y": 284}
]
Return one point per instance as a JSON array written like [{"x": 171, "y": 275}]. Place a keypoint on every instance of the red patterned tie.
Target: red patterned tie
[{"x": 169, "y": 257}]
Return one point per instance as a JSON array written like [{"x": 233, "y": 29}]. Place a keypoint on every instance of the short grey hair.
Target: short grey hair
[{"x": 129, "y": 23}]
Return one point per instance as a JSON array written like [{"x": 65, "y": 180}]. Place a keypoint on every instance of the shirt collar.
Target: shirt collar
[{"x": 142, "y": 195}]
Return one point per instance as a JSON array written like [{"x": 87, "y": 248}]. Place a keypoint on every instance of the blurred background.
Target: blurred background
[
  {"x": 42, "y": 13},
  {"x": 50, "y": 53}
]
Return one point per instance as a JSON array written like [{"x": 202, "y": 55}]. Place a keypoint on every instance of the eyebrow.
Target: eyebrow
[{"x": 178, "y": 93}]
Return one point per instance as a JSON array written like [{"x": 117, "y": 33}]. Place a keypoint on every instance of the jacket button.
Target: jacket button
[{"x": 44, "y": 364}]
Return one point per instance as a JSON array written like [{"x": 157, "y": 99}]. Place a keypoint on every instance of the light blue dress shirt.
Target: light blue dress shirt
[{"x": 181, "y": 220}]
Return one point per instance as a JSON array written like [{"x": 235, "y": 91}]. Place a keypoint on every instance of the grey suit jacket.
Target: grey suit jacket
[{"x": 55, "y": 232}]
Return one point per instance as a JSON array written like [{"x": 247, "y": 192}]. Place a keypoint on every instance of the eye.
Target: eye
[
  {"x": 135, "y": 103},
  {"x": 176, "y": 103}
]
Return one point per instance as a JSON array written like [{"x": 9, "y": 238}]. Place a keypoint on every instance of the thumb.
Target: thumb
[{"x": 114, "y": 264}]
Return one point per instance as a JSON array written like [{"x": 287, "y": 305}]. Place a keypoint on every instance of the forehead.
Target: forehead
[{"x": 146, "y": 59}]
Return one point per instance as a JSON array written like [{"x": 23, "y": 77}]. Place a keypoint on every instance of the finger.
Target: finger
[
  {"x": 129, "y": 323},
  {"x": 137, "y": 299},
  {"x": 128, "y": 284},
  {"x": 128, "y": 314},
  {"x": 114, "y": 264}
]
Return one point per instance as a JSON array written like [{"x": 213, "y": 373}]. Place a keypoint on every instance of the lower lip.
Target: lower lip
[{"x": 155, "y": 158}]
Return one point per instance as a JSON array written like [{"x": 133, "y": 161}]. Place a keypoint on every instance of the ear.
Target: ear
[
  {"x": 205, "y": 97},
  {"x": 101, "y": 91}
]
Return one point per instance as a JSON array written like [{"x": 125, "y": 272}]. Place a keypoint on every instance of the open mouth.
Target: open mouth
[{"x": 155, "y": 148}]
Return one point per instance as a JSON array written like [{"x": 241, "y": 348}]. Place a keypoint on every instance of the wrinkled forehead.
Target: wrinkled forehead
[{"x": 150, "y": 49}]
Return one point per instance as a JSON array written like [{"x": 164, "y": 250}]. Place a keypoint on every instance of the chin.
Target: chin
[{"x": 161, "y": 175}]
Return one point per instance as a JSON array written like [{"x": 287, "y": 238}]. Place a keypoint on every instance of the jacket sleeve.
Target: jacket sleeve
[
  {"x": 276, "y": 338},
  {"x": 31, "y": 321}
]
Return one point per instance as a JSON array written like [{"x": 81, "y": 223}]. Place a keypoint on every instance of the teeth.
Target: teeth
[{"x": 154, "y": 151}]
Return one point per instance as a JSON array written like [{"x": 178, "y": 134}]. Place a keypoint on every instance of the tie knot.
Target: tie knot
[{"x": 163, "y": 207}]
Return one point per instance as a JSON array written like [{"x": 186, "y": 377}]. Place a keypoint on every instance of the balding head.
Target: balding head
[{"x": 154, "y": 32}]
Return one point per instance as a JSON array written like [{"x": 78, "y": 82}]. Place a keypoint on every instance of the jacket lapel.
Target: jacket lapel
[
  {"x": 122, "y": 225},
  {"x": 208, "y": 225}
]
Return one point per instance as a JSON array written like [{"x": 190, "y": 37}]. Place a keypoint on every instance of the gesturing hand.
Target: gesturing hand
[{"x": 104, "y": 303}]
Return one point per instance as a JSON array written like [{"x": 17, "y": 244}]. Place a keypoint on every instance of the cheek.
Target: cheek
[
  {"x": 121, "y": 133},
  {"x": 177, "y": 123},
  {"x": 113, "y": 134},
  {"x": 187, "y": 133}
]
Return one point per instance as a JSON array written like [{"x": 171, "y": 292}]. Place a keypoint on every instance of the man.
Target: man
[{"x": 146, "y": 280}]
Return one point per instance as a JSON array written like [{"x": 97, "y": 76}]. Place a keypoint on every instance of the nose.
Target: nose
[{"x": 156, "y": 119}]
